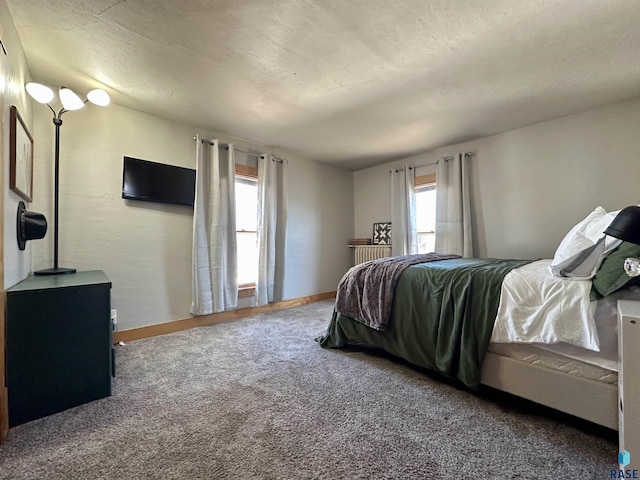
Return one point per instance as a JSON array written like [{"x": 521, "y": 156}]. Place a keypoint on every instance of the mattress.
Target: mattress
[
  {"x": 601, "y": 366},
  {"x": 544, "y": 358}
]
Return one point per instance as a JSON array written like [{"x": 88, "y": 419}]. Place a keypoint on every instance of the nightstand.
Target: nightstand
[
  {"x": 629, "y": 380},
  {"x": 59, "y": 348}
]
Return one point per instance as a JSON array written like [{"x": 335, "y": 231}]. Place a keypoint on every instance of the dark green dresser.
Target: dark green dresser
[{"x": 59, "y": 348}]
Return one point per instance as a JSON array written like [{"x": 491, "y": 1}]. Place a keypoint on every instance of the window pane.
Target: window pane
[
  {"x": 246, "y": 204},
  {"x": 426, "y": 218},
  {"x": 247, "y": 220},
  {"x": 247, "y": 257},
  {"x": 426, "y": 242},
  {"x": 426, "y": 209}
]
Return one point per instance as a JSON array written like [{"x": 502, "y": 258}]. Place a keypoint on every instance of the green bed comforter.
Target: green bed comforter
[{"x": 442, "y": 317}]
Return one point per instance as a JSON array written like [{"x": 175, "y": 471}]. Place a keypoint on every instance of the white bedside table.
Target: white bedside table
[{"x": 629, "y": 380}]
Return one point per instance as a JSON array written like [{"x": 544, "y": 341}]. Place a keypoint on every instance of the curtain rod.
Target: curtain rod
[
  {"x": 226, "y": 147},
  {"x": 446, "y": 159},
  {"x": 257, "y": 155}
]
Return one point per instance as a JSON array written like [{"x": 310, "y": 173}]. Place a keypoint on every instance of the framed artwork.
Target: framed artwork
[
  {"x": 20, "y": 156},
  {"x": 382, "y": 233}
]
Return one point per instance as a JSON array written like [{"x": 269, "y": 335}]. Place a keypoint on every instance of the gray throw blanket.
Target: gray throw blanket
[{"x": 365, "y": 293}]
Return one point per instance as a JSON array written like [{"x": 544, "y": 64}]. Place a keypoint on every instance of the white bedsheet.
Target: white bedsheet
[
  {"x": 544, "y": 311},
  {"x": 606, "y": 318},
  {"x": 536, "y": 307}
]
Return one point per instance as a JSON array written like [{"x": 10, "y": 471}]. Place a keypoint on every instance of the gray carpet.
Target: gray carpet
[{"x": 258, "y": 398}]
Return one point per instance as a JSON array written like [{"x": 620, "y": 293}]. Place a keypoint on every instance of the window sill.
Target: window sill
[{"x": 245, "y": 292}]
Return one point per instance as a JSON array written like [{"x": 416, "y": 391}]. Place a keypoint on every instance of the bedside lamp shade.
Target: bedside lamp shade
[{"x": 626, "y": 225}]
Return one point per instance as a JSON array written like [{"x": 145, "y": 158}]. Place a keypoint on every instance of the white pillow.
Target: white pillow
[{"x": 583, "y": 249}]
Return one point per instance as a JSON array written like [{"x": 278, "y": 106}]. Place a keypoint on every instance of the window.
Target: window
[
  {"x": 425, "y": 188},
  {"x": 247, "y": 225}
]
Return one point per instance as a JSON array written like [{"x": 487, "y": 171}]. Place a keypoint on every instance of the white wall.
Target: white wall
[
  {"x": 145, "y": 248},
  {"x": 320, "y": 224},
  {"x": 13, "y": 75},
  {"x": 531, "y": 185}
]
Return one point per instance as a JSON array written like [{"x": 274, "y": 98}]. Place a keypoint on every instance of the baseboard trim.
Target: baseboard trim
[{"x": 214, "y": 318}]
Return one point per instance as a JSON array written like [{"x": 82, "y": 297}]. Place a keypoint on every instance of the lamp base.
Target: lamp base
[
  {"x": 632, "y": 267},
  {"x": 55, "y": 271}
]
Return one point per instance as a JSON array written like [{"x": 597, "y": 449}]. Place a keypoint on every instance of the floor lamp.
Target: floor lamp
[{"x": 70, "y": 101}]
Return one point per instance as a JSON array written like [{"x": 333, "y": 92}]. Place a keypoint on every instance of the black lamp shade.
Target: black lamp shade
[{"x": 626, "y": 225}]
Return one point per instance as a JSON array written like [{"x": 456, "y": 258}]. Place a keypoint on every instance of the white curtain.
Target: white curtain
[
  {"x": 453, "y": 207},
  {"x": 404, "y": 237},
  {"x": 272, "y": 224},
  {"x": 215, "y": 282}
]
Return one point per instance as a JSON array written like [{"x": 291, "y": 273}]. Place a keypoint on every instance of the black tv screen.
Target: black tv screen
[{"x": 157, "y": 182}]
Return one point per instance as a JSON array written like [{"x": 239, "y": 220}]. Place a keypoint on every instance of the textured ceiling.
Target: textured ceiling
[{"x": 350, "y": 82}]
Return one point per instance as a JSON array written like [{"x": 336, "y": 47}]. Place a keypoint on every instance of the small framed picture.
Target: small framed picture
[
  {"x": 20, "y": 156},
  {"x": 382, "y": 233}
]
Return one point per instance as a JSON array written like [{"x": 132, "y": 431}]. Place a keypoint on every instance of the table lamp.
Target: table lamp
[{"x": 626, "y": 227}]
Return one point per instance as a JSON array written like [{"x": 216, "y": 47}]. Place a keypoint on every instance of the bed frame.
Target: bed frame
[
  {"x": 588, "y": 399},
  {"x": 600, "y": 403}
]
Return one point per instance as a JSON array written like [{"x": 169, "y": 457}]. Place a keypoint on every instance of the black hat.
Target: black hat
[{"x": 30, "y": 225}]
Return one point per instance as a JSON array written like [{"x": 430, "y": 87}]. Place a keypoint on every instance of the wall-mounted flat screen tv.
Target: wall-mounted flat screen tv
[{"x": 157, "y": 182}]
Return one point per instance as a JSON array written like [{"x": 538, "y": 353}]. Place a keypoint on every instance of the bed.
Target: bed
[{"x": 472, "y": 321}]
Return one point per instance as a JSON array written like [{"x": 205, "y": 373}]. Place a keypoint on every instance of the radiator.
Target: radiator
[{"x": 364, "y": 253}]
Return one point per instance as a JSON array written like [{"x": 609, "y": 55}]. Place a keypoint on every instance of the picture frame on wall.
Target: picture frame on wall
[
  {"x": 20, "y": 156},
  {"x": 382, "y": 233}
]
